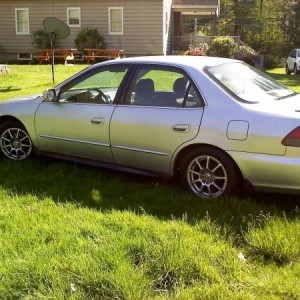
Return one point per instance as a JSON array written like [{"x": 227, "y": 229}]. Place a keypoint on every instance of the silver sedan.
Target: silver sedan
[{"x": 217, "y": 124}]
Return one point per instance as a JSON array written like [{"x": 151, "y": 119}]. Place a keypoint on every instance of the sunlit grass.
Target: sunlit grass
[
  {"x": 69, "y": 231},
  {"x": 52, "y": 250},
  {"x": 24, "y": 80},
  {"x": 292, "y": 81}
]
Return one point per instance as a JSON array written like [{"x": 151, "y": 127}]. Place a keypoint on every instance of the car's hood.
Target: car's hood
[{"x": 24, "y": 98}]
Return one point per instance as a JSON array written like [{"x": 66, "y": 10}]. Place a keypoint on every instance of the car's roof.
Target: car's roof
[{"x": 184, "y": 60}]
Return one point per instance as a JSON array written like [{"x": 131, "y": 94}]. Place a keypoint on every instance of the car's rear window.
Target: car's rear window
[{"x": 247, "y": 83}]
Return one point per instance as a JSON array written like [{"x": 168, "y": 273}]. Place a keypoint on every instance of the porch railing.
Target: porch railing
[
  {"x": 202, "y": 42},
  {"x": 185, "y": 42}
]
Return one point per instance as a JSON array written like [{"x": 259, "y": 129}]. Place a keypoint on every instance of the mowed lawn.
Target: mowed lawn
[{"x": 69, "y": 231}]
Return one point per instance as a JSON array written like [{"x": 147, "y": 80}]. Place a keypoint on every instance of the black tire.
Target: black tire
[
  {"x": 15, "y": 142},
  {"x": 209, "y": 173},
  {"x": 295, "y": 70},
  {"x": 287, "y": 71}
]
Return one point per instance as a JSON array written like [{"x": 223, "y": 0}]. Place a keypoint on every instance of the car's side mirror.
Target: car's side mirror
[{"x": 49, "y": 95}]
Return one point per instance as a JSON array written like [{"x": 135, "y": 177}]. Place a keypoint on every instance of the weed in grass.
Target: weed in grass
[{"x": 276, "y": 239}]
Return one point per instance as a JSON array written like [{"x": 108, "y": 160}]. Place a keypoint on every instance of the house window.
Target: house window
[
  {"x": 115, "y": 20},
  {"x": 22, "y": 20},
  {"x": 24, "y": 56},
  {"x": 74, "y": 16}
]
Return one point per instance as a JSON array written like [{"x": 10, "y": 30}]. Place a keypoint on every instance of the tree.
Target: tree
[
  {"x": 291, "y": 23},
  {"x": 258, "y": 23}
]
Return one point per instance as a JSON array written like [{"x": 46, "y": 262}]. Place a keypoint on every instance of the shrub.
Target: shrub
[
  {"x": 271, "y": 61},
  {"x": 199, "y": 44},
  {"x": 89, "y": 38},
  {"x": 41, "y": 39},
  {"x": 223, "y": 47},
  {"x": 2, "y": 49},
  {"x": 2, "y": 52}
]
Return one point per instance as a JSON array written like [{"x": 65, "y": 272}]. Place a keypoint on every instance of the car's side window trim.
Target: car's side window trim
[{"x": 123, "y": 89}]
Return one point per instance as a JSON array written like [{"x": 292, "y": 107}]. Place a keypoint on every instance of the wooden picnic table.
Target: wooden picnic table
[
  {"x": 96, "y": 54},
  {"x": 45, "y": 55}
]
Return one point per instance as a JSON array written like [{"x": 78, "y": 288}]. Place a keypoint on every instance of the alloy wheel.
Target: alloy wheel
[
  {"x": 207, "y": 176},
  {"x": 15, "y": 143}
]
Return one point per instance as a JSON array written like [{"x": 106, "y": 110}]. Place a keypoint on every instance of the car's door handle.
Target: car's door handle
[
  {"x": 97, "y": 121},
  {"x": 182, "y": 128}
]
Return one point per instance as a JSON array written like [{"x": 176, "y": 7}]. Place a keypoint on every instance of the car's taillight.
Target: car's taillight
[{"x": 292, "y": 139}]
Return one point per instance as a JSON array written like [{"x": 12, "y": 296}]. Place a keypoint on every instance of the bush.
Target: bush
[
  {"x": 89, "y": 38},
  {"x": 41, "y": 39},
  {"x": 2, "y": 49},
  {"x": 2, "y": 52},
  {"x": 223, "y": 47},
  {"x": 199, "y": 44},
  {"x": 271, "y": 61}
]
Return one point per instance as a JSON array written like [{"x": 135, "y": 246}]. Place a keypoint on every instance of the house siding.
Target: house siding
[
  {"x": 142, "y": 20},
  {"x": 167, "y": 26}
]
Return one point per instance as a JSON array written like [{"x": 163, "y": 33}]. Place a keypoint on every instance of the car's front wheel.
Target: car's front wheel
[
  {"x": 209, "y": 173},
  {"x": 15, "y": 142},
  {"x": 287, "y": 71},
  {"x": 295, "y": 70}
]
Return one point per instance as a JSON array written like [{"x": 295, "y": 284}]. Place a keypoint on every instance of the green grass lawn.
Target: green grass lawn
[
  {"x": 291, "y": 81},
  {"x": 33, "y": 79},
  {"x": 69, "y": 231}
]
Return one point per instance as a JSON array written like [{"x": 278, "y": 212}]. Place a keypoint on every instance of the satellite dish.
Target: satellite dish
[
  {"x": 59, "y": 28},
  {"x": 56, "y": 29}
]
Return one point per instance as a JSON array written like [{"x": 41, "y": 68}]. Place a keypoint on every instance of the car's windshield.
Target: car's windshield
[{"x": 248, "y": 83}]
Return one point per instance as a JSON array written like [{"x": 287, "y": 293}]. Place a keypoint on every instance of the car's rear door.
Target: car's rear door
[
  {"x": 77, "y": 124},
  {"x": 155, "y": 119}
]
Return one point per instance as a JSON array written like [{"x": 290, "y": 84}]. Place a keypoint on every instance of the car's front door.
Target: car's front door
[
  {"x": 162, "y": 111},
  {"x": 77, "y": 124}
]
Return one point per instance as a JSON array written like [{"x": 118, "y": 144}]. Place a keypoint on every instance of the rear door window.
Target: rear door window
[{"x": 162, "y": 87}]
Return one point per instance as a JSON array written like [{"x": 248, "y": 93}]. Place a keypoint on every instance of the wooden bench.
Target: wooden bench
[
  {"x": 102, "y": 54},
  {"x": 43, "y": 56},
  {"x": 64, "y": 54}
]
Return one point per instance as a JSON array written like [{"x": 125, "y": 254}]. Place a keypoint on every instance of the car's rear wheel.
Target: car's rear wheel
[
  {"x": 209, "y": 173},
  {"x": 15, "y": 142}
]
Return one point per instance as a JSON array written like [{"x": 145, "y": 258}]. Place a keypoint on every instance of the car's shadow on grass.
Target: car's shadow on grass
[
  {"x": 285, "y": 202},
  {"x": 105, "y": 190}
]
